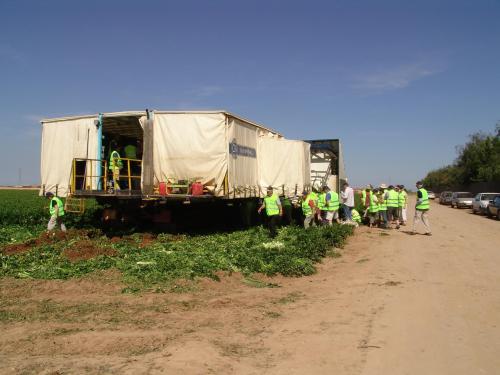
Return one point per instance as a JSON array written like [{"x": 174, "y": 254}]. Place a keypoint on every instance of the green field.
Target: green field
[{"x": 146, "y": 260}]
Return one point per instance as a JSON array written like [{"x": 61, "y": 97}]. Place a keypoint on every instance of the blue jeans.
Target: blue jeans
[
  {"x": 347, "y": 212},
  {"x": 383, "y": 216}
]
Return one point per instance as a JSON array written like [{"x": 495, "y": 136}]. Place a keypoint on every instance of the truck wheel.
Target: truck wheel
[{"x": 498, "y": 215}]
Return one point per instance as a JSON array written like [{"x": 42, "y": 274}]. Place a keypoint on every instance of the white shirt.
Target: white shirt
[{"x": 348, "y": 196}]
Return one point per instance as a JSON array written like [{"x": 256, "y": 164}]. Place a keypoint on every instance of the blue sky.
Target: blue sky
[{"x": 400, "y": 83}]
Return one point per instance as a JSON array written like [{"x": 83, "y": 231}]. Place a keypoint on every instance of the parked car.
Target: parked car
[
  {"x": 445, "y": 197},
  {"x": 494, "y": 208},
  {"x": 461, "y": 199},
  {"x": 431, "y": 195},
  {"x": 481, "y": 202}
]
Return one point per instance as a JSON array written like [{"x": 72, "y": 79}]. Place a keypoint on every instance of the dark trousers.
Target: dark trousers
[{"x": 272, "y": 223}]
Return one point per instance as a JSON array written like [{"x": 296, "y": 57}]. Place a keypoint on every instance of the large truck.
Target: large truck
[{"x": 181, "y": 158}]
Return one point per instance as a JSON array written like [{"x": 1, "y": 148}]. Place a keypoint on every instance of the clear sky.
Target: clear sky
[{"x": 401, "y": 83}]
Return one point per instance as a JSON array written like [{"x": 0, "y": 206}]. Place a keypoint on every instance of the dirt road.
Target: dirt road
[{"x": 392, "y": 304}]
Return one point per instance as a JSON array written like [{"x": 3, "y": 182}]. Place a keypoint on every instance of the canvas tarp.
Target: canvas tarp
[
  {"x": 283, "y": 164},
  {"x": 62, "y": 141},
  {"x": 242, "y": 161},
  {"x": 189, "y": 146}
]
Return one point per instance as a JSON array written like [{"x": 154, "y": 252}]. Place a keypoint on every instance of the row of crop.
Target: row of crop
[{"x": 292, "y": 253}]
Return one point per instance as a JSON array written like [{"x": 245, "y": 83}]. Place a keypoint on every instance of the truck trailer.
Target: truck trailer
[{"x": 182, "y": 158}]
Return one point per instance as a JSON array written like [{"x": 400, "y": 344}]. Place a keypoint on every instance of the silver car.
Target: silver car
[
  {"x": 481, "y": 202},
  {"x": 461, "y": 199},
  {"x": 431, "y": 195},
  {"x": 445, "y": 197}
]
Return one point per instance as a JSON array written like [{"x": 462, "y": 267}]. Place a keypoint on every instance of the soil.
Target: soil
[
  {"x": 394, "y": 304},
  {"x": 86, "y": 249}
]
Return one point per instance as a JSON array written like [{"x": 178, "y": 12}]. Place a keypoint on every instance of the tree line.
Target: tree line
[{"x": 477, "y": 161}]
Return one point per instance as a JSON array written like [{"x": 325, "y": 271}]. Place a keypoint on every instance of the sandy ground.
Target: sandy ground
[{"x": 392, "y": 304}]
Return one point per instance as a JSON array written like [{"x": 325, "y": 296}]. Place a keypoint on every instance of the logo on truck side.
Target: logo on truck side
[{"x": 239, "y": 150}]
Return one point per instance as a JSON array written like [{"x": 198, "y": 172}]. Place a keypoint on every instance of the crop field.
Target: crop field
[{"x": 146, "y": 260}]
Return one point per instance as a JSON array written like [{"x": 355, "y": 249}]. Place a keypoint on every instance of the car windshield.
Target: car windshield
[
  {"x": 464, "y": 195},
  {"x": 488, "y": 197}
]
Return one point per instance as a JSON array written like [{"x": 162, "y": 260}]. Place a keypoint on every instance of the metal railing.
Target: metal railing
[{"x": 85, "y": 177}]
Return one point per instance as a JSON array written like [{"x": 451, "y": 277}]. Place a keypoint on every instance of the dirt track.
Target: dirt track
[{"x": 392, "y": 304}]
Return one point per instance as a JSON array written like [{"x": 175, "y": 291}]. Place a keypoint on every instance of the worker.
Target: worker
[
  {"x": 329, "y": 204},
  {"x": 364, "y": 201},
  {"x": 130, "y": 151},
  {"x": 382, "y": 206},
  {"x": 347, "y": 195},
  {"x": 392, "y": 198},
  {"x": 403, "y": 203},
  {"x": 308, "y": 209},
  {"x": 274, "y": 210},
  {"x": 372, "y": 207},
  {"x": 422, "y": 207},
  {"x": 315, "y": 199},
  {"x": 356, "y": 217},
  {"x": 56, "y": 210},
  {"x": 115, "y": 164}
]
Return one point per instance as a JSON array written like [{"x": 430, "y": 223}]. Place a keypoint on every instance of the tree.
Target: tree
[{"x": 477, "y": 161}]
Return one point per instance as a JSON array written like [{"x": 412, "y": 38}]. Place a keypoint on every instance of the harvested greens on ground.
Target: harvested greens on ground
[{"x": 144, "y": 260}]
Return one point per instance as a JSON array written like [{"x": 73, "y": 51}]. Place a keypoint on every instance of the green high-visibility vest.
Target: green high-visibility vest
[
  {"x": 402, "y": 199},
  {"x": 363, "y": 197},
  {"x": 115, "y": 158},
  {"x": 382, "y": 203},
  {"x": 424, "y": 205},
  {"x": 373, "y": 203},
  {"x": 355, "y": 216},
  {"x": 334, "y": 203},
  {"x": 322, "y": 201},
  {"x": 130, "y": 151},
  {"x": 271, "y": 204},
  {"x": 392, "y": 199},
  {"x": 59, "y": 203},
  {"x": 314, "y": 197},
  {"x": 306, "y": 209}
]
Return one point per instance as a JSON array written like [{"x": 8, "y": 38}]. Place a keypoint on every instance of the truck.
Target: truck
[{"x": 184, "y": 162}]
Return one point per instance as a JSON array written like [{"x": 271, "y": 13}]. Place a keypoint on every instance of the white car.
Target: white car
[
  {"x": 481, "y": 202},
  {"x": 431, "y": 195}
]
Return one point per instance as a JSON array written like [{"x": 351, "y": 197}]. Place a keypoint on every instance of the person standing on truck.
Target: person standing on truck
[
  {"x": 130, "y": 151},
  {"x": 56, "y": 210},
  {"x": 347, "y": 195},
  {"x": 308, "y": 209},
  {"x": 274, "y": 210},
  {"x": 422, "y": 207},
  {"x": 115, "y": 165}
]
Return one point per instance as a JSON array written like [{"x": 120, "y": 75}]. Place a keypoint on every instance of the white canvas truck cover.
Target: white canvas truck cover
[
  {"x": 62, "y": 141},
  {"x": 284, "y": 163},
  {"x": 190, "y": 146}
]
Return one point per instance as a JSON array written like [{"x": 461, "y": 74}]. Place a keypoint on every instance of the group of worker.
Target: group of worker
[{"x": 385, "y": 207}]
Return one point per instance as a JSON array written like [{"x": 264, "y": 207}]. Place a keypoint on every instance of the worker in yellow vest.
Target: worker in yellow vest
[
  {"x": 403, "y": 204},
  {"x": 56, "y": 210},
  {"x": 356, "y": 217},
  {"x": 372, "y": 207},
  {"x": 308, "y": 209},
  {"x": 382, "y": 205},
  {"x": 422, "y": 209},
  {"x": 328, "y": 202},
  {"x": 392, "y": 198},
  {"x": 115, "y": 165},
  {"x": 274, "y": 210}
]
